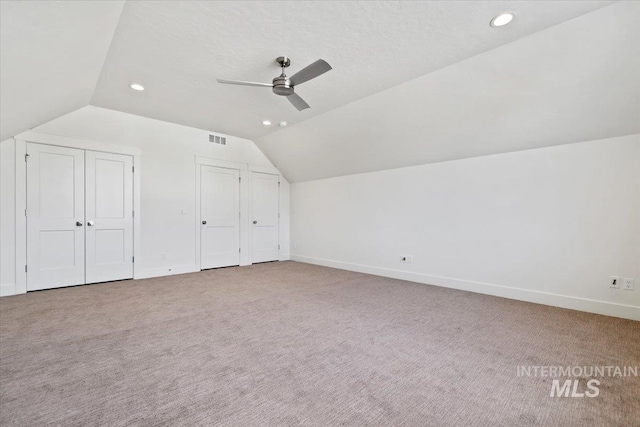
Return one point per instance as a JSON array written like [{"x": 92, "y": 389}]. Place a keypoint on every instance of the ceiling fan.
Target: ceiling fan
[{"x": 284, "y": 86}]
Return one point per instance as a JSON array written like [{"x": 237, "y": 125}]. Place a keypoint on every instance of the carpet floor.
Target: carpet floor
[{"x": 295, "y": 344}]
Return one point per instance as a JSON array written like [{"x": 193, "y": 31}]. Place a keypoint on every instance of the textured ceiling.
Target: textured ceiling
[
  {"x": 577, "y": 81},
  {"x": 178, "y": 49},
  {"x": 413, "y": 82},
  {"x": 51, "y": 55}
]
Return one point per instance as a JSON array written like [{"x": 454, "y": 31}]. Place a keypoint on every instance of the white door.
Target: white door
[
  {"x": 264, "y": 217},
  {"x": 109, "y": 217},
  {"x": 220, "y": 217},
  {"x": 55, "y": 217}
]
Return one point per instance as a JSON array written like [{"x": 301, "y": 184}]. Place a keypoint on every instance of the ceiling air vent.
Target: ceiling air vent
[{"x": 216, "y": 139}]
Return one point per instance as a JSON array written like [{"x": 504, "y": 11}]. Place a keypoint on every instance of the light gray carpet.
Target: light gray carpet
[{"x": 296, "y": 344}]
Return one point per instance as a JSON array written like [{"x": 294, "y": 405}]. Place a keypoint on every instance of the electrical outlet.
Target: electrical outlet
[
  {"x": 627, "y": 284},
  {"x": 614, "y": 282}
]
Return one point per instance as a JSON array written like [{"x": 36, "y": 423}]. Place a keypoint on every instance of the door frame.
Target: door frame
[
  {"x": 21, "y": 191},
  {"x": 270, "y": 171},
  {"x": 244, "y": 200}
]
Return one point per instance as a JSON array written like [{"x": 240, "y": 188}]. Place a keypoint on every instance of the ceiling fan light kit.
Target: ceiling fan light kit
[{"x": 285, "y": 86}]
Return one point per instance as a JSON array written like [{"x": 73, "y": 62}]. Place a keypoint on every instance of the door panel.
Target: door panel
[
  {"x": 57, "y": 249},
  {"x": 109, "y": 214},
  {"x": 265, "y": 212},
  {"x": 220, "y": 217},
  {"x": 55, "y": 203}
]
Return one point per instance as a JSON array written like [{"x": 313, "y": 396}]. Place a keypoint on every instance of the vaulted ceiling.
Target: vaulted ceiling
[
  {"x": 578, "y": 81},
  {"x": 51, "y": 56},
  {"x": 412, "y": 82}
]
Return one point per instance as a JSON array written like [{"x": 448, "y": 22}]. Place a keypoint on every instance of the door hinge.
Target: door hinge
[
  {"x": 25, "y": 268},
  {"x": 133, "y": 213},
  {"x": 133, "y": 169},
  {"x": 278, "y": 183},
  {"x": 133, "y": 259},
  {"x": 278, "y": 214},
  {"x": 239, "y": 179},
  {"x": 278, "y": 246},
  {"x": 239, "y": 250},
  {"x": 25, "y": 212},
  {"x": 26, "y": 156}
]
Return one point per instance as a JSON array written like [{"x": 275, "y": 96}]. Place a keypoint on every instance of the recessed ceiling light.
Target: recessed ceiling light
[
  {"x": 502, "y": 19},
  {"x": 266, "y": 123},
  {"x": 136, "y": 86},
  {"x": 283, "y": 124}
]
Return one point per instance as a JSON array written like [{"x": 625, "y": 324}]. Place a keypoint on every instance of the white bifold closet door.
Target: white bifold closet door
[
  {"x": 79, "y": 217},
  {"x": 109, "y": 212},
  {"x": 55, "y": 217},
  {"x": 265, "y": 217},
  {"x": 220, "y": 217}
]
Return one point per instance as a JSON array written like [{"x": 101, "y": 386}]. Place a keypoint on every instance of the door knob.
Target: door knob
[
  {"x": 204, "y": 222},
  {"x": 255, "y": 222},
  {"x": 90, "y": 223},
  {"x": 78, "y": 224}
]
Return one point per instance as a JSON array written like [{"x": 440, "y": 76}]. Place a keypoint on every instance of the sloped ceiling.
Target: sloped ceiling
[
  {"x": 413, "y": 82},
  {"x": 51, "y": 55},
  {"x": 578, "y": 81},
  {"x": 178, "y": 49}
]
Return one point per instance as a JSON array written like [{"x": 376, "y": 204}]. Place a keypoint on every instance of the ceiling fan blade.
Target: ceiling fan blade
[
  {"x": 241, "y": 83},
  {"x": 310, "y": 72},
  {"x": 297, "y": 102}
]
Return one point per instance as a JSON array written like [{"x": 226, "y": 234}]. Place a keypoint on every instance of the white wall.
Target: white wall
[
  {"x": 7, "y": 218},
  {"x": 168, "y": 174},
  {"x": 548, "y": 225}
]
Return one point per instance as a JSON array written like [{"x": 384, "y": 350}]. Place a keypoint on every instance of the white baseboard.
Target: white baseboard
[
  {"x": 563, "y": 301},
  {"x": 10, "y": 289},
  {"x": 7, "y": 289},
  {"x": 166, "y": 271}
]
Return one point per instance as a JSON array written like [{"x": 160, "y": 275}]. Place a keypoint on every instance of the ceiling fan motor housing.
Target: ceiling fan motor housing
[{"x": 282, "y": 86}]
